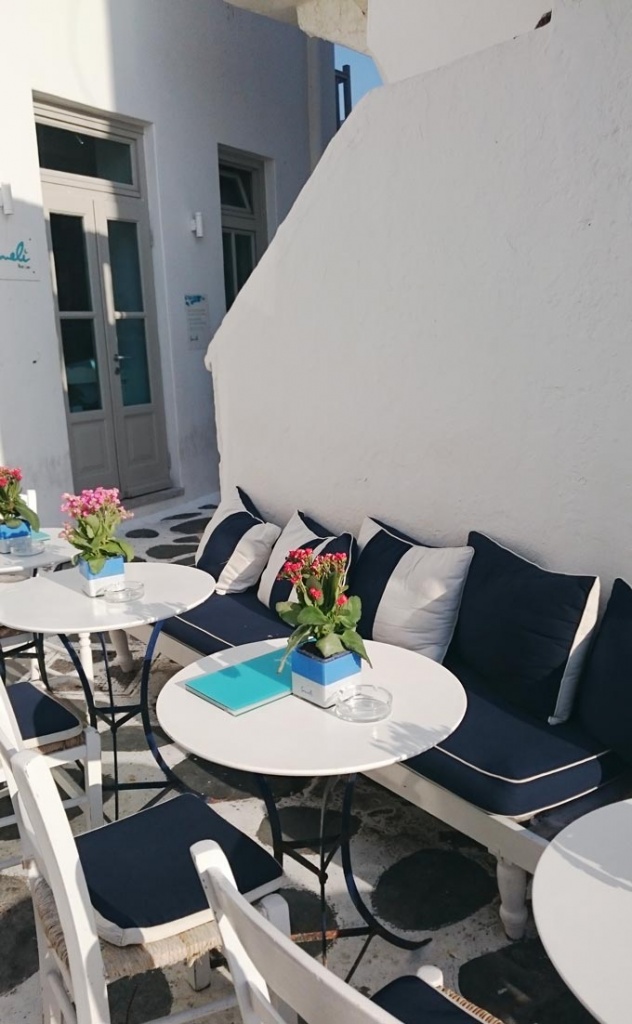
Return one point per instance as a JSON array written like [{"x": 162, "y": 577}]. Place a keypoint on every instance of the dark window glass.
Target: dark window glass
[
  {"x": 125, "y": 264},
  {"x": 74, "y": 153},
  {"x": 71, "y": 264},
  {"x": 244, "y": 257},
  {"x": 132, "y": 348},
  {"x": 235, "y": 188},
  {"x": 229, "y": 273},
  {"x": 82, "y": 373}
]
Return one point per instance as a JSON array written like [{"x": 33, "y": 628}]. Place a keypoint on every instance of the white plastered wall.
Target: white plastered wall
[
  {"x": 198, "y": 74},
  {"x": 440, "y": 334}
]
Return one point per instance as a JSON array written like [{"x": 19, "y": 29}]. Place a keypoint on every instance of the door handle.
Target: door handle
[{"x": 118, "y": 358}]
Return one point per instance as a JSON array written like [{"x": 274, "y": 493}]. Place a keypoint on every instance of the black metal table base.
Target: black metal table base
[
  {"x": 116, "y": 715},
  {"x": 328, "y": 846}
]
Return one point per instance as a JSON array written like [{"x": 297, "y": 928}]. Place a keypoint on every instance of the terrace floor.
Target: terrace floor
[{"x": 421, "y": 876}]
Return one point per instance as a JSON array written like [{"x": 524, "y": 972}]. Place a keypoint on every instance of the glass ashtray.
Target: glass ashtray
[
  {"x": 363, "y": 702},
  {"x": 123, "y": 593},
  {"x": 23, "y": 547}
]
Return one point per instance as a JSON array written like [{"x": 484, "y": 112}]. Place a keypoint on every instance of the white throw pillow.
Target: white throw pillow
[
  {"x": 300, "y": 532},
  {"x": 410, "y": 593},
  {"x": 236, "y": 544}
]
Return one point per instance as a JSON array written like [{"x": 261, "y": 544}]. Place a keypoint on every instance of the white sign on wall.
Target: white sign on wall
[
  {"x": 16, "y": 260},
  {"x": 197, "y": 320}
]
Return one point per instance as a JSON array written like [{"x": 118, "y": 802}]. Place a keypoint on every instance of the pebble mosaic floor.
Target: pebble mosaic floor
[{"x": 421, "y": 877}]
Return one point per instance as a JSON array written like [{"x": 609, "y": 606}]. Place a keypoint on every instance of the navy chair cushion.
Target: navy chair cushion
[
  {"x": 41, "y": 719},
  {"x": 508, "y": 762},
  {"x": 412, "y": 1001},
  {"x": 605, "y": 695},
  {"x": 142, "y": 881},
  {"x": 225, "y": 621},
  {"x": 524, "y": 629}
]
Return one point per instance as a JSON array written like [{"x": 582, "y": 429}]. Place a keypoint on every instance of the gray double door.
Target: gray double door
[{"x": 101, "y": 270}]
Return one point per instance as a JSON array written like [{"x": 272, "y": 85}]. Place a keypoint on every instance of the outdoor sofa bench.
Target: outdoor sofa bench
[{"x": 548, "y": 723}]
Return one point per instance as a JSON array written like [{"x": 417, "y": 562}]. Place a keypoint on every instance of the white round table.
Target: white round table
[
  {"x": 55, "y": 603},
  {"x": 582, "y": 903},
  {"x": 293, "y": 737},
  {"x": 56, "y": 550}
]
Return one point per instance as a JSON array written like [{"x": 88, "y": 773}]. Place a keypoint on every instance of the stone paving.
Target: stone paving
[{"x": 421, "y": 877}]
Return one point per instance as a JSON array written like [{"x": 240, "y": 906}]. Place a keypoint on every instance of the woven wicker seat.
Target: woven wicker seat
[{"x": 126, "y": 961}]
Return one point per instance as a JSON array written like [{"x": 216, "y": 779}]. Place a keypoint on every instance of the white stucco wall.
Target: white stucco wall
[
  {"x": 440, "y": 333},
  {"x": 406, "y": 37},
  {"x": 199, "y": 74}
]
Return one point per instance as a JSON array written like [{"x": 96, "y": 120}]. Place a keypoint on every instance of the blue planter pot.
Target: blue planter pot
[
  {"x": 9, "y": 533},
  {"x": 319, "y": 680},
  {"x": 96, "y": 583}
]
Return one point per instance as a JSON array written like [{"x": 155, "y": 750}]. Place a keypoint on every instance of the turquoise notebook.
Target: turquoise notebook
[{"x": 240, "y": 688}]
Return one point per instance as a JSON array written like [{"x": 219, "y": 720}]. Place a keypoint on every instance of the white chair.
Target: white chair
[
  {"x": 122, "y": 899},
  {"x": 263, "y": 961},
  {"x": 32, "y": 719}
]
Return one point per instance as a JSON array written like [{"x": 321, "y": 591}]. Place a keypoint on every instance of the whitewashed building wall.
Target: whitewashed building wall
[{"x": 440, "y": 334}]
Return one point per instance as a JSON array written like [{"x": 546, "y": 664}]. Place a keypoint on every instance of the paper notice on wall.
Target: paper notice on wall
[{"x": 197, "y": 320}]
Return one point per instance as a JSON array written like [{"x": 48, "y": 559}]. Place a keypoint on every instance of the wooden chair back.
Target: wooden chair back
[
  {"x": 262, "y": 960},
  {"x": 54, "y": 858}
]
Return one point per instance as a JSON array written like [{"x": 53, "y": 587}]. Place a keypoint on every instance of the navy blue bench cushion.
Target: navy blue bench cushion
[
  {"x": 524, "y": 629},
  {"x": 226, "y": 621},
  {"x": 410, "y": 592},
  {"x": 142, "y": 882},
  {"x": 605, "y": 694},
  {"x": 300, "y": 532},
  {"x": 508, "y": 762},
  {"x": 236, "y": 544},
  {"x": 412, "y": 1001},
  {"x": 41, "y": 719}
]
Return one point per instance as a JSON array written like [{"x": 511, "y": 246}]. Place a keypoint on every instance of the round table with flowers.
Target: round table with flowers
[{"x": 56, "y": 604}]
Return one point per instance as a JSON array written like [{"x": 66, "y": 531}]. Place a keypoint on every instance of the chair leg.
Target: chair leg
[
  {"x": 275, "y": 910},
  {"x": 512, "y": 886},
  {"x": 51, "y": 1012},
  {"x": 199, "y": 973},
  {"x": 93, "y": 779}
]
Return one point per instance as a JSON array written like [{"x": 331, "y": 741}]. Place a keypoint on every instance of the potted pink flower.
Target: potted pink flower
[
  {"x": 325, "y": 647},
  {"x": 101, "y": 555},
  {"x": 16, "y": 518}
]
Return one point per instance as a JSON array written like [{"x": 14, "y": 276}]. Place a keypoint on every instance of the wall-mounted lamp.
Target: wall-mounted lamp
[
  {"x": 197, "y": 227},
  {"x": 6, "y": 199}
]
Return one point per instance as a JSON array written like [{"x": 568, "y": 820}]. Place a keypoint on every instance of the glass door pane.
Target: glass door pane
[
  {"x": 73, "y": 299},
  {"x": 131, "y": 357}
]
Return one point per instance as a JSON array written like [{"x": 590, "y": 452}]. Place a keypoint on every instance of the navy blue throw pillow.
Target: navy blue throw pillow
[
  {"x": 524, "y": 629},
  {"x": 236, "y": 544},
  {"x": 605, "y": 693}
]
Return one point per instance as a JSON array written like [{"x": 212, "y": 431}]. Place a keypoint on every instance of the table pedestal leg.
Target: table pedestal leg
[
  {"x": 328, "y": 846},
  {"x": 121, "y": 646}
]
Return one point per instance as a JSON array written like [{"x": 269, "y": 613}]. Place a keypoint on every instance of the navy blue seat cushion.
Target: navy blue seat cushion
[
  {"x": 524, "y": 629},
  {"x": 40, "y": 718},
  {"x": 508, "y": 762},
  {"x": 412, "y": 1001},
  {"x": 605, "y": 695},
  {"x": 225, "y": 621},
  {"x": 142, "y": 881}
]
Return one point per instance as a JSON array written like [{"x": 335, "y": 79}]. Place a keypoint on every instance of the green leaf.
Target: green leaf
[
  {"x": 354, "y": 642},
  {"x": 311, "y": 616},
  {"x": 299, "y": 636},
  {"x": 96, "y": 564},
  {"x": 289, "y": 611},
  {"x": 24, "y": 512},
  {"x": 330, "y": 644},
  {"x": 353, "y": 608}
]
